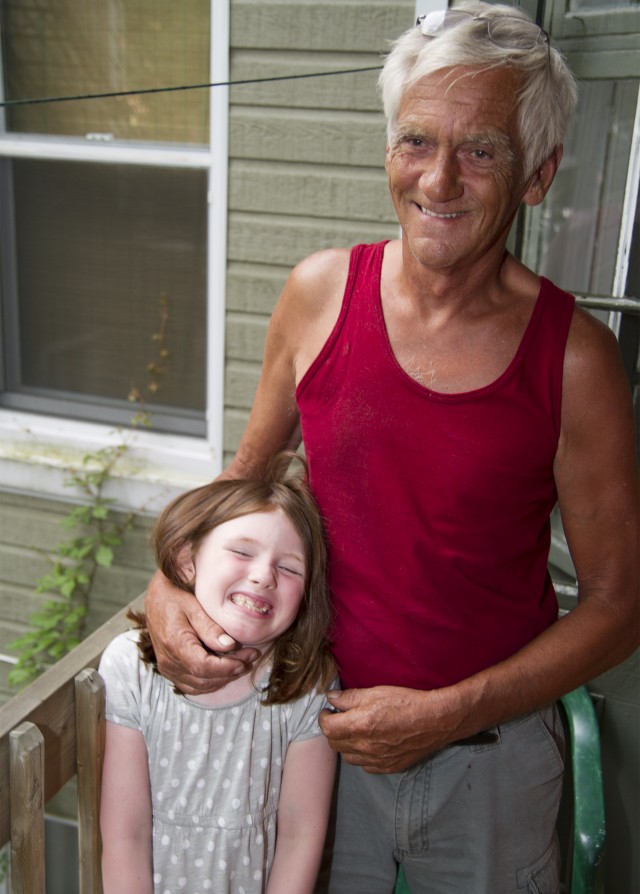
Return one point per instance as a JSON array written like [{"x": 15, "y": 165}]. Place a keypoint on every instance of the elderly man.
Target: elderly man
[{"x": 447, "y": 398}]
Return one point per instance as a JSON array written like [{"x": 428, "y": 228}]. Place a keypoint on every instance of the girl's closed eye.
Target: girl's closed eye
[
  {"x": 288, "y": 569},
  {"x": 239, "y": 552}
]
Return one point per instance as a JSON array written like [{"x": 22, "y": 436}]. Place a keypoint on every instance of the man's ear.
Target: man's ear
[{"x": 541, "y": 180}]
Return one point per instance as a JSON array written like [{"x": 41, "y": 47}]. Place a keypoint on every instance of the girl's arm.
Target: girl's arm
[
  {"x": 303, "y": 813},
  {"x": 125, "y": 813}
]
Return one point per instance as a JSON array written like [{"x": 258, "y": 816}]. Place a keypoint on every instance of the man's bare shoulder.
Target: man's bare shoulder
[
  {"x": 590, "y": 344},
  {"x": 308, "y": 308},
  {"x": 595, "y": 386},
  {"x": 319, "y": 279}
]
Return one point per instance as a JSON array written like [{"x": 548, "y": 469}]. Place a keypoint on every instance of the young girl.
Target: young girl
[{"x": 195, "y": 788}]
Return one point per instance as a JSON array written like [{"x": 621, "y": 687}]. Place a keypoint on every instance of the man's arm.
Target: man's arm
[
  {"x": 386, "y": 729},
  {"x": 125, "y": 814},
  {"x": 300, "y": 324},
  {"x": 303, "y": 814}
]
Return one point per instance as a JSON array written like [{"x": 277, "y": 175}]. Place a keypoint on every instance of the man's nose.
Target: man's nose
[{"x": 440, "y": 180}]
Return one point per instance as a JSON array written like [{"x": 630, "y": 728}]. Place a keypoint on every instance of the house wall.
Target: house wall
[
  {"x": 306, "y": 159},
  {"x": 29, "y": 529}
]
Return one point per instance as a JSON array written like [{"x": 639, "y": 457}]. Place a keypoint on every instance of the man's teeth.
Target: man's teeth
[
  {"x": 247, "y": 602},
  {"x": 435, "y": 214}
]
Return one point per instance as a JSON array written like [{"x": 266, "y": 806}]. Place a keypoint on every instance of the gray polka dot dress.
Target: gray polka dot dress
[{"x": 215, "y": 774}]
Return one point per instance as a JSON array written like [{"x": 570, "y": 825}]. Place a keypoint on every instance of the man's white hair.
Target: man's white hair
[{"x": 548, "y": 95}]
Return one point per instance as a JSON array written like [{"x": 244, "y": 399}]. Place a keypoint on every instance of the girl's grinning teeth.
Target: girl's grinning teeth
[{"x": 254, "y": 605}]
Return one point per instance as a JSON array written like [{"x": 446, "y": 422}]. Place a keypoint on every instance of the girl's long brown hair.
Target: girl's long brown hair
[{"x": 300, "y": 657}]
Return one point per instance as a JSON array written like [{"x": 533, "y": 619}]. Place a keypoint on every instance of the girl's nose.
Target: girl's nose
[{"x": 262, "y": 574}]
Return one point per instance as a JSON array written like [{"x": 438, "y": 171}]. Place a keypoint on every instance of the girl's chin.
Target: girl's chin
[{"x": 247, "y": 638}]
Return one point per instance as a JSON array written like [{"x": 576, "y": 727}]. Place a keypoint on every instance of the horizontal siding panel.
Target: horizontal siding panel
[
  {"x": 338, "y": 138},
  {"x": 18, "y": 602},
  {"x": 9, "y": 632},
  {"x": 241, "y": 381},
  {"x": 245, "y": 335},
  {"x": 21, "y": 565},
  {"x": 235, "y": 422},
  {"x": 287, "y": 240},
  {"x": 106, "y": 603},
  {"x": 355, "y": 26},
  {"x": 254, "y": 288},
  {"x": 273, "y": 187},
  {"x": 333, "y": 88},
  {"x": 40, "y": 529},
  {"x": 5, "y": 692},
  {"x": 31, "y": 526}
]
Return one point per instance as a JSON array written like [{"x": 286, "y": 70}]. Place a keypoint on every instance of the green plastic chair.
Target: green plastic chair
[{"x": 587, "y": 843}]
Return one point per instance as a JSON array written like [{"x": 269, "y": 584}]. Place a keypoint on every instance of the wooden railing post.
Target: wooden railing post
[
  {"x": 26, "y": 775},
  {"x": 90, "y": 731}
]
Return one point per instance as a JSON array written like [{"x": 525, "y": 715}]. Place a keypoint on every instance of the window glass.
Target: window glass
[
  {"x": 98, "y": 250},
  {"x": 582, "y": 214},
  {"x": 75, "y": 47},
  {"x": 577, "y": 228}
]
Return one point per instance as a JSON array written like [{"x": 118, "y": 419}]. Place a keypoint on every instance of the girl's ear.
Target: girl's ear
[{"x": 185, "y": 564}]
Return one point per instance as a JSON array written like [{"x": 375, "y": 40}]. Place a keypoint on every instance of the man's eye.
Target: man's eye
[{"x": 481, "y": 155}]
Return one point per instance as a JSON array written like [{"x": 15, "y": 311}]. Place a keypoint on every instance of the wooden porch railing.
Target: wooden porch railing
[{"x": 50, "y": 732}]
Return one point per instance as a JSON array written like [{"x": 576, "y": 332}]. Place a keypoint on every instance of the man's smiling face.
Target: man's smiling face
[{"x": 454, "y": 167}]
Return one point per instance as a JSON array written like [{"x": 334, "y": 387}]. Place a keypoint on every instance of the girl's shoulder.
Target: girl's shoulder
[
  {"x": 121, "y": 646},
  {"x": 121, "y": 658}
]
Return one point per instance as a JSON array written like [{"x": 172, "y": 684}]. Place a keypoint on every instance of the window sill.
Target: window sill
[{"x": 36, "y": 453}]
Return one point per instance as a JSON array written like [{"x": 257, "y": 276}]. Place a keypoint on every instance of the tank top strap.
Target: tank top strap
[
  {"x": 553, "y": 312},
  {"x": 359, "y": 305}
]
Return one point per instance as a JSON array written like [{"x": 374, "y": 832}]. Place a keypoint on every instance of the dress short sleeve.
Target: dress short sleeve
[
  {"x": 303, "y": 720},
  {"x": 124, "y": 675}
]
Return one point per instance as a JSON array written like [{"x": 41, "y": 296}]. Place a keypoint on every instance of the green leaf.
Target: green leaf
[
  {"x": 68, "y": 587},
  {"x": 104, "y": 556},
  {"x": 19, "y": 677}
]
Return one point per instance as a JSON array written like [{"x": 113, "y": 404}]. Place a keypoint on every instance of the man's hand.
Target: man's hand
[
  {"x": 388, "y": 728},
  {"x": 191, "y": 650}
]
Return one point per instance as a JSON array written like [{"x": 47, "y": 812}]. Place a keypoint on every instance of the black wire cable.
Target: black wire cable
[{"x": 119, "y": 93}]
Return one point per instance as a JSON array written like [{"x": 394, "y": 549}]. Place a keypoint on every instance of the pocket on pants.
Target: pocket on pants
[{"x": 543, "y": 876}]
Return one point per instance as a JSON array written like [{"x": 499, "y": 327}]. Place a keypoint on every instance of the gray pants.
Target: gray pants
[{"x": 472, "y": 819}]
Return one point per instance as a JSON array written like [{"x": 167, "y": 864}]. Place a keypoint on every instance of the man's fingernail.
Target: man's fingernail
[{"x": 225, "y": 640}]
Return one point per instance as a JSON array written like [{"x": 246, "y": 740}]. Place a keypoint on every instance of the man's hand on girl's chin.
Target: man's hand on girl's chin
[{"x": 192, "y": 651}]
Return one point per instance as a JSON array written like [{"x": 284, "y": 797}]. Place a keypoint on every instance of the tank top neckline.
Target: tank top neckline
[{"x": 451, "y": 396}]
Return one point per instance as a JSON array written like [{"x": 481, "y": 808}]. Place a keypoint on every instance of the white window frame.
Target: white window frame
[{"x": 35, "y": 450}]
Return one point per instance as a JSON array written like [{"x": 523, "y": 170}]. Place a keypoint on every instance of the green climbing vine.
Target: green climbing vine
[{"x": 98, "y": 531}]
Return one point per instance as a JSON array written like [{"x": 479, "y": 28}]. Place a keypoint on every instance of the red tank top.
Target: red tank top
[{"x": 437, "y": 505}]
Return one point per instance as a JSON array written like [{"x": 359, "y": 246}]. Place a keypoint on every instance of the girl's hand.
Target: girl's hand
[{"x": 192, "y": 651}]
